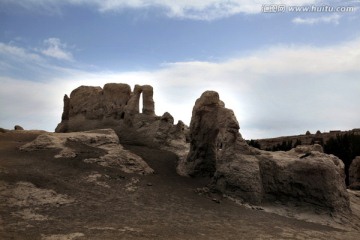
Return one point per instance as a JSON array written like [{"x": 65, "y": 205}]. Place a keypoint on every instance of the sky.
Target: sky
[{"x": 283, "y": 66}]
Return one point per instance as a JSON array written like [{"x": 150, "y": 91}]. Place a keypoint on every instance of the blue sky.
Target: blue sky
[{"x": 282, "y": 72}]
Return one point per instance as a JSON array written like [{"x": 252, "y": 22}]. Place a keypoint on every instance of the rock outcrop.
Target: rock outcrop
[
  {"x": 105, "y": 139},
  {"x": 307, "y": 149},
  {"x": 317, "y": 178},
  {"x": 115, "y": 106},
  {"x": 18, "y": 127},
  {"x": 92, "y": 107},
  {"x": 354, "y": 174},
  {"x": 304, "y": 174},
  {"x": 148, "y": 102}
]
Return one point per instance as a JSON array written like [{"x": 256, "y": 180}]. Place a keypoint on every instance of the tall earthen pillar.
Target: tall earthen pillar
[
  {"x": 66, "y": 111},
  {"x": 148, "y": 102}
]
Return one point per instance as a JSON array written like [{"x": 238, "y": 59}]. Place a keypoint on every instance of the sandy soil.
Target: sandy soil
[{"x": 42, "y": 197}]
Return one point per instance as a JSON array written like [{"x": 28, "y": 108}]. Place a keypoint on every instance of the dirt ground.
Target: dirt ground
[{"x": 42, "y": 197}]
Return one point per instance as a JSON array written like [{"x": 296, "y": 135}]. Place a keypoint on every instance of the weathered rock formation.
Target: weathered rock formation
[
  {"x": 304, "y": 174},
  {"x": 105, "y": 139},
  {"x": 18, "y": 127},
  {"x": 212, "y": 128},
  {"x": 354, "y": 174},
  {"x": 117, "y": 107},
  {"x": 307, "y": 149},
  {"x": 92, "y": 107},
  {"x": 148, "y": 102}
]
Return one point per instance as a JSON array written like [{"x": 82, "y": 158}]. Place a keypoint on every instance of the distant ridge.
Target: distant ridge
[{"x": 303, "y": 139}]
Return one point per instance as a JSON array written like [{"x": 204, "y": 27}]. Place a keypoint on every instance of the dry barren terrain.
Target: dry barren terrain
[{"x": 42, "y": 197}]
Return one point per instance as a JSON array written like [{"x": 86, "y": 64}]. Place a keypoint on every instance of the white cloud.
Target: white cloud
[
  {"x": 276, "y": 91},
  {"x": 56, "y": 49},
  {"x": 12, "y": 57},
  {"x": 18, "y": 53},
  {"x": 201, "y": 10},
  {"x": 334, "y": 18},
  {"x": 30, "y": 63}
]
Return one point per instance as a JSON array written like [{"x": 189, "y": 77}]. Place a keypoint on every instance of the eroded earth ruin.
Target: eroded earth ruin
[{"x": 110, "y": 163}]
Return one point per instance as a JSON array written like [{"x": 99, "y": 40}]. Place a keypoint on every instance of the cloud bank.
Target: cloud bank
[
  {"x": 200, "y": 10},
  {"x": 280, "y": 90}
]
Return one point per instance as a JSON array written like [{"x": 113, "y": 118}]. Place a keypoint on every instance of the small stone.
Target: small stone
[{"x": 216, "y": 200}]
